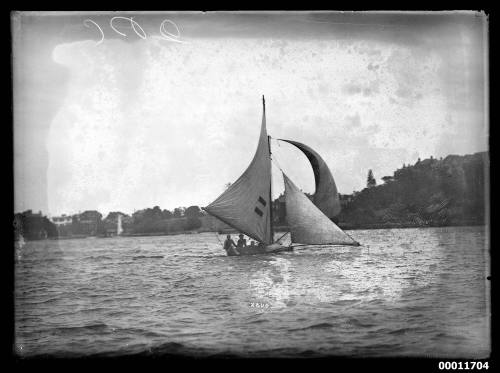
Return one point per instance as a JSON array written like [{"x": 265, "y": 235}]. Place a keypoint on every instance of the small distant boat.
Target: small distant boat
[
  {"x": 19, "y": 244},
  {"x": 246, "y": 205},
  {"x": 119, "y": 229},
  {"x": 111, "y": 232}
]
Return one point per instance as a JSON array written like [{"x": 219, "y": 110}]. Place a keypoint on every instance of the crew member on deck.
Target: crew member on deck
[
  {"x": 242, "y": 242},
  {"x": 230, "y": 246}
]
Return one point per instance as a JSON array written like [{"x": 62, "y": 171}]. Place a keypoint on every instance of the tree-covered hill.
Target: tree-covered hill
[{"x": 450, "y": 191}]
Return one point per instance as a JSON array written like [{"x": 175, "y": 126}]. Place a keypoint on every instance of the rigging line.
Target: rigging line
[
  {"x": 282, "y": 236},
  {"x": 218, "y": 238},
  {"x": 216, "y": 232},
  {"x": 315, "y": 246},
  {"x": 277, "y": 164},
  {"x": 352, "y": 238},
  {"x": 273, "y": 158},
  {"x": 275, "y": 140}
]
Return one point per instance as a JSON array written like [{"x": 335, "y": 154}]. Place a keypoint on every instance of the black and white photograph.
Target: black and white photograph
[{"x": 252, "y": 184}]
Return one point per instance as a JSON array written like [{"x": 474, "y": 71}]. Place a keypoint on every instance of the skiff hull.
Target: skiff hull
[{"x": 269, "y": 249}]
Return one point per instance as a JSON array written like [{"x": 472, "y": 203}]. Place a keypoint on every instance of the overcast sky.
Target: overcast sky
[{"x": 136, "y": 121}]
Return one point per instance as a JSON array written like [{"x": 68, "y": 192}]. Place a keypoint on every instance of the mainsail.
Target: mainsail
[
  {"x": 308, "y": 225},
  {"x": 246, "y": 204},
  {"x": 326, "y": 197}
]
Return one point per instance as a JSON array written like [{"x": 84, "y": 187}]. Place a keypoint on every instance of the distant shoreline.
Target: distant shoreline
[
  {"x": 408, "y": 225},
  {"x": 433, "y": 192},
  {"x": 280, "y": 229}
]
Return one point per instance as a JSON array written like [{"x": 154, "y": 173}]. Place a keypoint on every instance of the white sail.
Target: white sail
[
  {"x": 245, "y": 205},
  {"x": 308, "y": 225}
]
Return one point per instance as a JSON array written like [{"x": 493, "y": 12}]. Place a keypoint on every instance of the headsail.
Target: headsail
[
  {"x": 308, "y": 225},
  {"x": 245, "y": 205},
  {"x": 326, "y": 197}
]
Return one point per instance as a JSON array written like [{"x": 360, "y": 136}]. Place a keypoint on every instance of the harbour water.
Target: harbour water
[{"x": 405, "y": 292}]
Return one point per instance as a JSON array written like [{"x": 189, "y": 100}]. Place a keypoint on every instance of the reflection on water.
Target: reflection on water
[
  {"x": 272, "y": 284},
  {"x": 410, "y": 292}
]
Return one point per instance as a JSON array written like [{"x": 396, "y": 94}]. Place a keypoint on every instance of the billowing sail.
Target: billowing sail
[
  {"x": 245, "y": 205},
  {"x": 326, "y": 197},
  {"x": 308, "y": 225}
]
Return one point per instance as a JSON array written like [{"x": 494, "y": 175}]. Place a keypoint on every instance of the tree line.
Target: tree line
[
  {"x": 156, "y": 220},
  {"x": 153, "y": 220},
  {"x": 432, "y": 192}
]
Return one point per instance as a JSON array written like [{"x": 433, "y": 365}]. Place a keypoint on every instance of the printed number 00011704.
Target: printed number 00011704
[{"x": 465, "y": 365}]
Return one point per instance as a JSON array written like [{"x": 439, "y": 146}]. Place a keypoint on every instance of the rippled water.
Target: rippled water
[{"x": 406, "y": 292}]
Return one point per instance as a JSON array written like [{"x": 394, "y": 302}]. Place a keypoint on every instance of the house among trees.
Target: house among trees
[
  {"x": 345, "y": 199},
  {"x": 279, "y": 210},
  {"x": 87, "y": 223},
  {"x": 387, "y": 179},
  {"x": 62, "y": 220},
  {"x": 33, "y": 226}
]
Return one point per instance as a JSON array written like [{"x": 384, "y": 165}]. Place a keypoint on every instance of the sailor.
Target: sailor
[
  {"x": 230, "y": 246},
  {"x": 242, "y": 242}
]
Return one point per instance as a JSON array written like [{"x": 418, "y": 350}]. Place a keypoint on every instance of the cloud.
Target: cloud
[
  {"x": 352, "y": 88},
  {"x": 353, "y": 121},
  {"x": 151, "y": 122},
  {"x": 365, "y": 88}
]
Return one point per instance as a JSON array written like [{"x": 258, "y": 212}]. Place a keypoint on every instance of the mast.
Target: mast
[{"x": 270, "y": 180}]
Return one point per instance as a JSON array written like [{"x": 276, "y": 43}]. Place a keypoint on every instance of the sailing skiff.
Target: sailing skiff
[{"x": 246, "y": 205}]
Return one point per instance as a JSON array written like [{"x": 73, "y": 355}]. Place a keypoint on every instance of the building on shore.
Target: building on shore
[
  {"x": 345, "y": 199},
  {"x": 279, "y": 210},
  {"x": 33, "y": 226},
  {"x": 87, "y": 223},
  {"x": 62, "y": 220}
]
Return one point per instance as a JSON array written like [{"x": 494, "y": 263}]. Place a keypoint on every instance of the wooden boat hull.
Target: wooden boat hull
[{"x": 269, "y": 249}]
